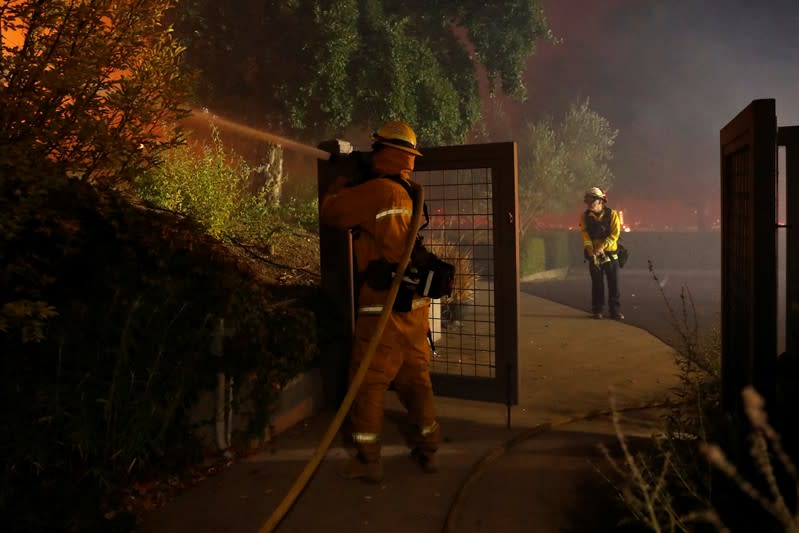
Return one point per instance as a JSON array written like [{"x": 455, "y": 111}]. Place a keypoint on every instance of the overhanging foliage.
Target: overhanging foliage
[{"x": 315, "y": 67}]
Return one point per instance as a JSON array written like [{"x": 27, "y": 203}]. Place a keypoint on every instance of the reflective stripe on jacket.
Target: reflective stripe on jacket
[
  {"x": 376, "y": 309},
  {"x": 382, "y": 211}
]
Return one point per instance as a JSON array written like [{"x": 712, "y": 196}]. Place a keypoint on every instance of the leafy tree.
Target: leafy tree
[
  {"x": 93, "y": 86},
  {"x": 312, "y": 68},
  {"x": 559, "y": 162}
]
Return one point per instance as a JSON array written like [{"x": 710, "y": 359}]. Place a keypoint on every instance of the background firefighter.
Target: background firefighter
[
  {"x": 381, "y": 210},
  {"x": 601, "y": 228}
]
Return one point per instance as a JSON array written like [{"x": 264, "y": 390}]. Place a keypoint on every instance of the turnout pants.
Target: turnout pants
[
  {"x": 401, "y": 357},
  {"x": 609, "y": 270}
]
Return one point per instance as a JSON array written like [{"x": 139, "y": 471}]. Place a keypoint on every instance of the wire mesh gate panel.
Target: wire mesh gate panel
[
  {"x": 471, "y": 194},
  {"x": 461, "y": 220},
  {"x": 748, "y": 269}
]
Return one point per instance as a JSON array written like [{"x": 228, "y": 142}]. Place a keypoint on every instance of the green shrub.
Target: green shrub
[
  {"x": 211, "y": 185},
  {"x": 557, "y": 247},
  {"x": 301, "y": 212},
  {"x": 533, "y": 255},
  {"x": 204, "y": 186}
]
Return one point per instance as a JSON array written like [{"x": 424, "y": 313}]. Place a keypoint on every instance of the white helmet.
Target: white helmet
[{"x": 595, "y": 192}]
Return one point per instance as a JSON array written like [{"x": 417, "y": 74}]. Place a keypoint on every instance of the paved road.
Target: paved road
[{"x": 645, "y": 300}]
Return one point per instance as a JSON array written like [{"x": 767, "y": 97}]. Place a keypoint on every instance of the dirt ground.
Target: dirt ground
[{"x": 293, "y": 260}]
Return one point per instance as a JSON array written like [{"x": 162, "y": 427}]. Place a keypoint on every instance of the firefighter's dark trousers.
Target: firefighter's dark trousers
[
  {"x": 609, "y": 270},
  {"x": 402, "y": 357}
]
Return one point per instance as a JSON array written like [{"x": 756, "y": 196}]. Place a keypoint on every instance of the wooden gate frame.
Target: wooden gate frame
[
  {"x": 749, "y": 254},
  {"x": 788, "y": 137}
]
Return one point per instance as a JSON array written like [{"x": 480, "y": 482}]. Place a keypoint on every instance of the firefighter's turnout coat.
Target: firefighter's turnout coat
[
  {"x": 381, "y": 210},
  {"x": 603, "y": 228}
]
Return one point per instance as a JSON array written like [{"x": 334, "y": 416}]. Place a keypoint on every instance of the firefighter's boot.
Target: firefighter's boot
[
  {"x": 356, "y": 468},
  {"x": 424, "y": 453},
  {"x": 425, "y": 459}
]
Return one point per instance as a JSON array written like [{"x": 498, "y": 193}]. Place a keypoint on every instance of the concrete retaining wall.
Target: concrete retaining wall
[{"x": 300, "y": 398}]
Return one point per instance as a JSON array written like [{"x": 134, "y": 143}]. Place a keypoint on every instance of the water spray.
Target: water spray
[{"x": 232, "y": 125}]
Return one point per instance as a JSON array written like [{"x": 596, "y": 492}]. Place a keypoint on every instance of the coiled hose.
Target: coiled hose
[{"x": 302, "y": 480}]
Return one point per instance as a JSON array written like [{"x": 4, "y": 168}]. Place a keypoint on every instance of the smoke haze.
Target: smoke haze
[{"x": 668, "y": 75}]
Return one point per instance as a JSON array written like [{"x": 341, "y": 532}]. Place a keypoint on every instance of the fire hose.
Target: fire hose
[
  {"x": 310, "y": 468},
  {"x": 313, "y": 463},
  {"x": 527, "y": 434}
]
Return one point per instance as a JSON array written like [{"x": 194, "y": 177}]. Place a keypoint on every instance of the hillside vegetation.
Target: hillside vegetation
[{"x": 108, "y": 309}]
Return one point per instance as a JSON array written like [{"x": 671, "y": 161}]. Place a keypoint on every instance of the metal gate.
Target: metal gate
[
  {"x": 471, "y": 193},
  {"x": 748, "y": 264}
]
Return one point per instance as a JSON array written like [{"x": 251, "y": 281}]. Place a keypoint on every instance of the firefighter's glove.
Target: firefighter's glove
[
  {"x": 599, "y": 250},
  {"x": 588, "y": 252}
]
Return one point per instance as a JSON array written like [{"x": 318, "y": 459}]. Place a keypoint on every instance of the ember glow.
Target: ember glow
[{"x": 645, "y": 215}]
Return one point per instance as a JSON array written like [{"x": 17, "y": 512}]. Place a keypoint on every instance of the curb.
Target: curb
[{"x": 547, "y": 275}]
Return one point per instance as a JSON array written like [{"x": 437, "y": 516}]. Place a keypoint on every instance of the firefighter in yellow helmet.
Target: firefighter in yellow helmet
[
  {"x": 601, "y": 227},
  {"x": 381, "y": 209}
]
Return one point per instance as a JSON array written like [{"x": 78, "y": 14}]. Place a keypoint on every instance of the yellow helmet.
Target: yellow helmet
[{"x": 397, "y": 134}]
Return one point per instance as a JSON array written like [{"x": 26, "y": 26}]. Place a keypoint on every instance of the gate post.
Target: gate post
[
  {"x": 749, "y": 251},
  {"x": 336, "y": 266}
]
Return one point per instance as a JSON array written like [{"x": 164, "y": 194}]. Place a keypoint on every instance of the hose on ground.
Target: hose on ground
[
  {"x": 496, "y": 453},
  {"x": 310, "y": 468}
]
